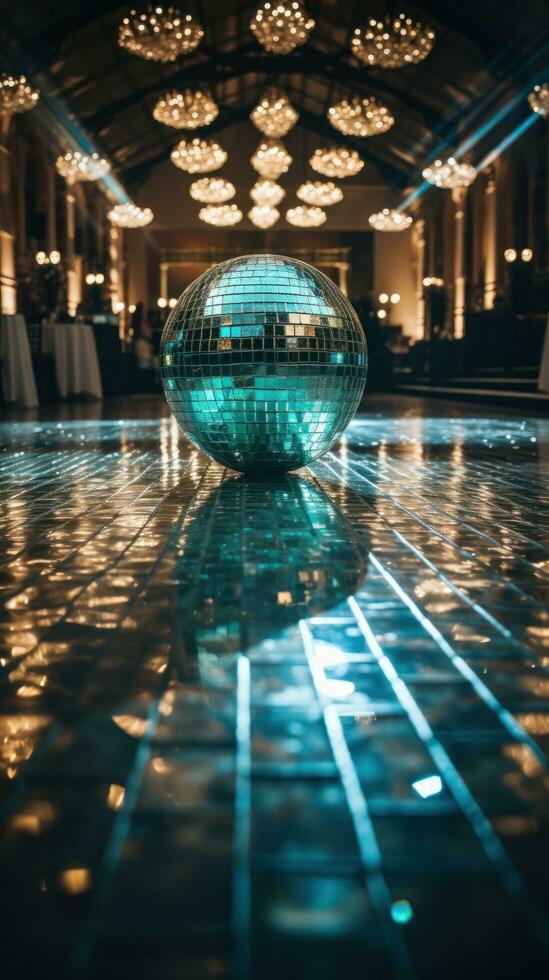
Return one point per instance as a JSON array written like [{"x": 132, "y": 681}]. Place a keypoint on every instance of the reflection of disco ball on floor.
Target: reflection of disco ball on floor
[{"x": 263, "y": 362}]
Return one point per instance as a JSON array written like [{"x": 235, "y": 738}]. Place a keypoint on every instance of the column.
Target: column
[
  {"x": 51, "y": 217},
  {"x": 164, "y": 269},
  {"x": 342, "y": 272},
  {"x": 8, "y": 284},
  {"x": 419, "y": 242},
  {"x": 458, "y": 197},
  {"x": 73, "y": 284},
  {"x": 490, "y": 241}
]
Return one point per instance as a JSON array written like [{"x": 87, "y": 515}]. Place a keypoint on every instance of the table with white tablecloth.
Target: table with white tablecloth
[
  {"x": 18, "y": 381},
  {"x": 75, "y": 356}
]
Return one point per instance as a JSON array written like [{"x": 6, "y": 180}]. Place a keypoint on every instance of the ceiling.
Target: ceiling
[{"x": 485, "y": 50}]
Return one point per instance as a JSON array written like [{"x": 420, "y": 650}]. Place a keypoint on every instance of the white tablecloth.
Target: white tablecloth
[
  {"x": 17, "y": 373},
  {"x": 75, "y": 356}
]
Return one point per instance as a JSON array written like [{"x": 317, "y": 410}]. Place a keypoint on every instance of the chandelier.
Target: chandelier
[
  {"x": 263, "y": 216},
  {"x": 76, "y": 166},
  {"x": 221, "y": 215},
  {"x": 304, "y": 216},
  {"x": 212, "y": 190},
  {"x": 16, "y": 95},
  {"x": 319, "y": 192},
  {"x": 271, "y": 159},
  {"x": 390, "y": 220},
  {"x": 449, "y": 173},
  {"x": 130, "y": 216},
  {"x": 360, "y": 116},
  {"x": 198, "y": 156},
  {"x": 392, "y": 42},
  {"x": 274, "y": 115},
  {"x": 159, "y": 34},
  {"x": 281, "y": 27},
  {"x": 267, "y": 192},
  {"x": 336, "y": 161},
  {"x": 186, "y": 110},
  {"x": 539, "y": 99}
]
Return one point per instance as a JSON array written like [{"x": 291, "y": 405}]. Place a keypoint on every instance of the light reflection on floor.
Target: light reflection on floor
[{"x": 297, "y": 728}]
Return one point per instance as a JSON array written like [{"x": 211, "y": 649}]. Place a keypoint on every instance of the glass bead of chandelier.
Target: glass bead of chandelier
[
  {"x": 221, "y": 215},
  {"x": 392, "y": 42},
  {"x": 449, "y": 173},
  {"x": 190, "y": 109},
  {"x": 212, "y": 190},
  {"x": 263, "y": 216},
  {"x": 336, "y": 161},
  {"x": 281, "y": 27},
  {"x": 274, "y": 115},
  {"x": 390, "y": 220},
  {"x": 198, "y": 156},
  {"x": 271, "y": 159},
  {"x": 320, "y": 193},
  {"x": 16, "y": 95},
  {"x": 267, "y": 192},
  {"x": 76, "y": 166},
  {"x": 539, "y": 99},
  {"x": 130, "y": 216},
  {"x": 359, "y": 116},
  {"x": 159, "y": 34},
  {"x": 304, "y": 216}
]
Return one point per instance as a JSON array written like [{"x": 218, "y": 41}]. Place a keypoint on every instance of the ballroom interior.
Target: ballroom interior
[{"x": 274, "y": 456}]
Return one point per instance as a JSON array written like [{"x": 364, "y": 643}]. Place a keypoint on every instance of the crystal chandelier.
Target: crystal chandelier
[
  {"x": 16, "y": 95},
  {"x": 274, "y": 115},
  {"x": 221, "y": 215},
  {"x": 281, "y": 27},
  {"x": 360, "y": 116},
  {"x": 76, "y": 166},
  {"x": 336, "y": 161},
  {"x": 449, "y": 173},
  {"x": 390, "y": 220},
  {"x": 392, "y": 42},
  {"x": 271, "y": 159},
  {"x": 304, "y": 216},
  {"x": 130, "y": 216},
  {"x": 159, "y": 34},
  {"x": 263, "y": 216},
  {"x": 186, "y": 110},
  {"x": 212, "y": 190},
  {"x": 198, "y": 156},
  {"x": 319, "y": 192},
  {"x": 267, "y": 192},
  {"x": 539, "y": 99}
]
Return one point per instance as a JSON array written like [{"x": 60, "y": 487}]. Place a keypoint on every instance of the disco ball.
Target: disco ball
[{"x": 263, "y": 363}]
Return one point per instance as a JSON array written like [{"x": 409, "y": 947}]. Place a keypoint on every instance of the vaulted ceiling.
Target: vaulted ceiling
[{"x": 485, "y": 51}]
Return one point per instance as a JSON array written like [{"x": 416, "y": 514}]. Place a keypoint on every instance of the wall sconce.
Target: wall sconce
[
  {"x": 527, "y": 255},
  {"x": 43, "y": 258},
  {"x": 119, "y": 306},
  {"x": 433, "y": 281},
  {"x": 162, "y": 302}
]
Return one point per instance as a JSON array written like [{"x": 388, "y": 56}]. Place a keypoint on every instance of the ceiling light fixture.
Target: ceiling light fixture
[
  {"x": 392, "y": 42},
  {"x": 130, "y": 216},
  {"x": 16, "y": 95},
  {"x": 190, "y": 109},
  {"x": 159, "y": 34},
  {"x": 76, "y": 166},
  {"x": 360, "y": 116},
  {"x": 212, "y": 190},
  {"x": 304, "y": 216},
  {"x": 336, "y": 161},
  {"x": 274, "y": 115},
  {"x": 267, "y": 192},
  {"x": 198, "y": 156},
  {"x": 271, "y": 159},
  {"x": 263, "y": 216},
  {"x": 281, "y": 27},
  {"x": 221, "y": 215},
  {"x": 449, "y": 173},
  {"x": 321, "y": 193},
  {"x": 390, "y": 220}
]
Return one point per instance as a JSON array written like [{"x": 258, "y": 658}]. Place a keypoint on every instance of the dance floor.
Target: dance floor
[{"x": 294, "y": 728}]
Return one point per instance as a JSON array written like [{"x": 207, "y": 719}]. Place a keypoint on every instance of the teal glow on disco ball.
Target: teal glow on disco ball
[{"x": 263, "y": 363}]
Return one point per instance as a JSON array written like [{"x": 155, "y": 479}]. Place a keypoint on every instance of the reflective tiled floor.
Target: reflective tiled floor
[{"x": 295, "y": 729}]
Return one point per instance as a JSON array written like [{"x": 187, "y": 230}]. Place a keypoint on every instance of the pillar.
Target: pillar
[
  {"x": 51, "y": 217},
  {"x": 458, "y": 197},
  {"x": 342, "y": 273},
  {"x": 73, "y": 268},
  {"x": 8, "y": 283},
  {"x": 490, "y": 241},
  {"x": 164, "y": 269},
  {"x": 419, "y": 242}
]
